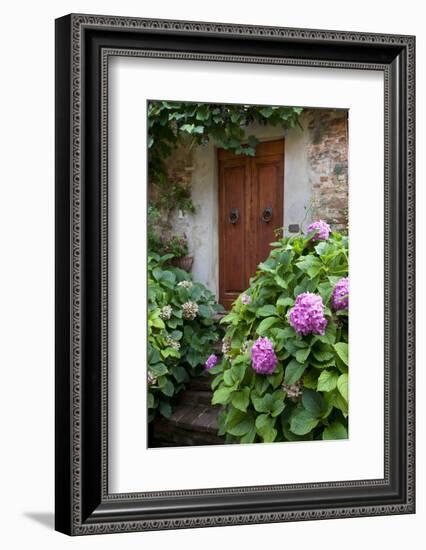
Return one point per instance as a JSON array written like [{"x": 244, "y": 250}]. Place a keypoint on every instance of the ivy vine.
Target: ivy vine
[{"x": 171, "y": 123}]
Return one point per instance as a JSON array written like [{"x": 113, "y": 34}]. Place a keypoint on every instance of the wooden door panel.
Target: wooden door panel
[
  {"x": 251, "y": 189},
  {"x": 268, "y": 215},
  {"x": 232, "y": 218}
]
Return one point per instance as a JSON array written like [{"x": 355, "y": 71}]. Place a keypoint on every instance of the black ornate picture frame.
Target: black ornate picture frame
[{"x": 84, "y": 43}]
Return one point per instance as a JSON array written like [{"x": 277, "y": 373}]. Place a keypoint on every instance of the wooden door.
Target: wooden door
[{"x": 251, "y": 197}]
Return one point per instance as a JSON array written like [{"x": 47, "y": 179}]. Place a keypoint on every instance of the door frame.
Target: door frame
[{"x": 250, "y": 244}]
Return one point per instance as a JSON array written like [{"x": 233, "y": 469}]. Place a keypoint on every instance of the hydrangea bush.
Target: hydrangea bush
[
  {"x": 181, "y": 332},
  {"x": 284, "y": 372}
]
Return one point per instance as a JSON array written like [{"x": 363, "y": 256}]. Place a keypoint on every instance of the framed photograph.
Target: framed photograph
[{"x": 234, "y": 274}]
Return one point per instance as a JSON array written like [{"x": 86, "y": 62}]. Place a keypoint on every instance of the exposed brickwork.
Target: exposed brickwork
[{"x": 327, "y": 155}]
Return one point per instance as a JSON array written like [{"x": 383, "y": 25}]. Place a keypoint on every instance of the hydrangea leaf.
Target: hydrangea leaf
[
  {"x": 266, "y": 311},
  {"x": 294, "y": 371},
  {"x": 302, "y": 422},
  {"x": 302, "y": 354},
  {"x": 222, "y": 395},
  {"x": 241, "y": 399},
  {"x": 342, "y": 350},
  {"x": 313, "y": 402},
  {"x": 265, "y": 428},
  {"x": 342, "y": 386},
  {"x": 336, "y": 430},
  {"x": 327, "y": 380},
  {"x": 265, "y": 325}
]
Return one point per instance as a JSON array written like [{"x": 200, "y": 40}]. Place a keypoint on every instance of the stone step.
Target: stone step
[
  {"x": 194, "y": 420},
  {"x": 189, "y": 424},
  {"x": 195, "y": 397},
  {"x": 202, "y": 383}
]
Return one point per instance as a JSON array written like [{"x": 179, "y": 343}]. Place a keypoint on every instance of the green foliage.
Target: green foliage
[
  {"x": 177, "y": 346},
  {"x": 225, "y": 124},
  {"x": 306, "y": 397},
  {"x": 171, "y": 123}
]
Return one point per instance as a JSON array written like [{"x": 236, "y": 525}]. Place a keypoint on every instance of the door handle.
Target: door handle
[
  {"x": 234, "y": 215},
  {"x": 267, "y": 215}
]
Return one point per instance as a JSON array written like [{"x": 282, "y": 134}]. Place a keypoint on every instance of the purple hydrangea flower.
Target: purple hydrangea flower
[
  {"x": 307, "y": 315},
  {"x": 263, "y": 358},
  {"x": 211, "y": 362},
  {"x": 322, "y": 230},
  {"x": 340, "y": 296},
  {"x": 245, "y": 299}
]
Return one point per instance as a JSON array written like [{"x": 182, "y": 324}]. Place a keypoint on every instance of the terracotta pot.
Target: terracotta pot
[{"x": 185, "y": 263}]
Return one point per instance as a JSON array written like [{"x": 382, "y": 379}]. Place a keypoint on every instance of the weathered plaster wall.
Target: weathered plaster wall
[{"x": 315, "y": 185}]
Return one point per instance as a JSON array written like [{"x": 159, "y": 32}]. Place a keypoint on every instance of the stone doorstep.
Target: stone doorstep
[
  {"x": 199, "y": 384},
  {"x": 195, "y": 417},
  {"x": 194, "y": 420},
  {"x": 188, "y": 425},
  {"x": 195, "y": 397},
  {"x": 179, "y": 437}
]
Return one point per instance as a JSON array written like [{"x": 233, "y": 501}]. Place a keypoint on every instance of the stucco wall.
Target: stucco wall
[{"x": 305, "y": 163}]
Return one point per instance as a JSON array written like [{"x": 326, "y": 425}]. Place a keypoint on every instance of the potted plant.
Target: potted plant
[{"x": 178, "y": 246}]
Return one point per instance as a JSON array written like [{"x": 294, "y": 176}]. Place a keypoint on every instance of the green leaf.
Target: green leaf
[
  {"x": 241, "y": 399},
  {"x": 239, "y": 423},
  {"x": 179, "y": 373},
  {"x": 238, "y": 372},
  {"x": 228, "y": 378},
  {"x": 222, "y": 395},
  {"x": 284, "y": 302},
  {"x": 168, "y": 388},
  {"x": 158, "y": 369},
  {"x": 336, "y": 430},
  {"x": 265, "y": 325},
  {"x": 151, "y": 401},
  {"x": 262, "y": 404},
  {"x": 313, "y": 402},
  {"x": 342, "y": 386},
  {"x": 322, "y": 352},
  {"x": 266, "y": 311},
  {"x": 266, "y": 111},
  {"x": 302, "y": 355},
  {"x": 153, "y": 355},
  {"x": 342, "y": 351},
  {"x": 330, "y": 334},
  {"x": 250, "y": 436},
  {"x": 165, "y": 408},
  {"x": 204, "y": 311},
  {"x": 278, "y": 403},
  {"x": 302, "y": 422},
  {"x": 327, "y": 380},
  {"x": 168, "y": 276},
  {"x": 194, "y": 358},
  {"x": 265, "y": 428},
  {"x": 339, "y": 402},
  {"x": 310, "y": 379},
  {"x": 294, "y": 371}
]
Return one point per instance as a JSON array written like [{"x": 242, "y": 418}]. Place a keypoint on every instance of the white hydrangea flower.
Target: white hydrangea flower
[
  {"x": 152, "y": 380},
  {"x": 166, "y": 312},
  {"x": 190, "y": 310},
  {"x": 185, "y": 284},
  {"x": 172, "y": 343},
  {"x": 293, "y": 391}
]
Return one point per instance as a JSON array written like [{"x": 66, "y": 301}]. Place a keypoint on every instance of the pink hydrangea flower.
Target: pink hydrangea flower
[
  {"x": 307, "y": 315},
  {"x": 245, "y": 299},
  {"x": 211, "y": 362},
  {"x": 322, "y": 230},
  {"x": 340, "y": 296},
  {"x": 263, "y": 358}
]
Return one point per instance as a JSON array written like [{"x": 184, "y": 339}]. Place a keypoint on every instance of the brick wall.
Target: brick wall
[{"x": 327, "y": 155}]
